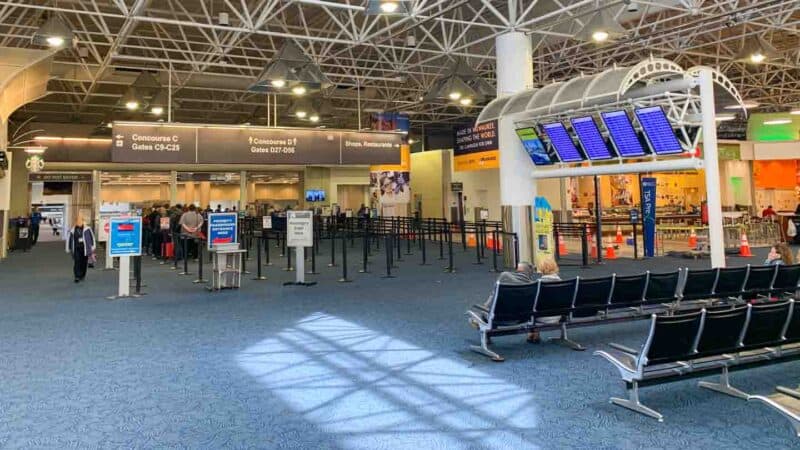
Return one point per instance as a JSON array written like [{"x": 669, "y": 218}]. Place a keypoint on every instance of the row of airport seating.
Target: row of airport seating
[
  {"x": 579, "y": 302},
  {"x": 705, "y": 342}
]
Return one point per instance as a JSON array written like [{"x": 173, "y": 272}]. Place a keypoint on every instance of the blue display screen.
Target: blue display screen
[
  {"x": 562, "y": 142},
  {"x": 534, "y": 146},
  {"x": 623, "y": 136},
  {"x": 590, "y": 138},
  {"x": 658, "y": 131}
]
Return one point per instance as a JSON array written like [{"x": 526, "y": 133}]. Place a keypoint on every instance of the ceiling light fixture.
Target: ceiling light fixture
[
  {"x": 159, "y": 102},
  {"x": 459, "y": 81},
  {"x": 299, "y": 90},
  {"x": 757, "y": 50},
  {"x": 778, "y": 122},
  {"x": 745, "y": 105},
  {"x": 131, "y": 100},
  {"x": 300, "y": 114},
  {"x": 314, "y": 118},
  {"x": 292, "y": 68},
  {"x": 795, "y": 112},
  {"x": 387, "y": 8},
  {"x": 53, "y": 33},
  {"x": 602, "y": 27},
  {"x": 724, "y": 117},
  {"x": 466, "y": 101}
]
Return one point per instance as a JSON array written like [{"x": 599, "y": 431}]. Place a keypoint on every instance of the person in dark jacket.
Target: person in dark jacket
[{"x": 80, "y": 243}]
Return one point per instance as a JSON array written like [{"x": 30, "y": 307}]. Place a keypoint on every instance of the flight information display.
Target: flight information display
[
  {"x": 623, "y": 136},
  {"x": 590, "y": 138},
  {"x": 534, "y": 146},
  {"x": 658, "y": 131},
  {"x": 562, "y": 142}
]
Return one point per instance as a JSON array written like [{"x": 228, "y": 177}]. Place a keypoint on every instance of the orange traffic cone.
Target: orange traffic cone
[
  {"x": 744, "y": 247},
  {"x": 619, "y": 240},
  {"x": 593, "y": 248},
  {"x": 610, "y": 253},
  {"x": 692, "y": 239},
  {"x": 562, "y": 247}
]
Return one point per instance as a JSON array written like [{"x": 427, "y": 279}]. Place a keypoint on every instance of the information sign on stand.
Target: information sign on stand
[
  {"x": 222, "y": 229},
  {"x": 300, "y": 234},
  {"x": 267, "y": 222},
  {"x": 124, "y": 241},
  {"x": 163, "y": 223}
]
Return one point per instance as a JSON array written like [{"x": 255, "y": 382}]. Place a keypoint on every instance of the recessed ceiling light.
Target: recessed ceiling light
[
  {"x": 389, "y": 7},
  {"x": 157, "y": 110},
  {"x": 298, "y": 90},
  {"x": 600, "y": 36},
  {"x": 314, "y": 118},
  {"x": 466, "y": 101},
  {"x": 132, "y": 105},
  {"x": 777, "y": 122},
  {"x": 55, "y": 41},
  {"x": 300, "y": 114},
  {"x": 278, "y": 83},
  {"x": 746, "y": 105},
  {"x": 455, "y": 95},
  {"x": 758, "y": 58}
]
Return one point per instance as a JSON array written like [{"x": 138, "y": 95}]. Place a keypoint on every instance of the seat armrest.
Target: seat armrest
[
  {"x": 481, "y": 308},
  {"x": 623, "y": 349},
  {"x": 790, "y": 392}
]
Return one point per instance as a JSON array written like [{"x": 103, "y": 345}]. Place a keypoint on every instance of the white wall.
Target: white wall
[
  {"x": 740, "y": 169},
  {"x": 481, "y": 189},
  {"x": 349, "y": 176}
]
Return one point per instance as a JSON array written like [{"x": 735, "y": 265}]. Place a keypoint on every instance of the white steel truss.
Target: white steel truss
[{"x": 211, "y": 61}]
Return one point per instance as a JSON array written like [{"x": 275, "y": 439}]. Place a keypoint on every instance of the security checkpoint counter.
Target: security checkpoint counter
[{"x": 226, "y": 266}]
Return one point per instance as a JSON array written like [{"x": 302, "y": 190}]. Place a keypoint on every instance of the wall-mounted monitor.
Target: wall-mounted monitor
[
  {"x": 658, "y": 131},
  {"x": 315, "y": 195},
  {"x": 562, "y": 142},
  {"x": 590, "y": 138},
  {"x": 534, "y": 146},
  {"x": 622, "y": 134}
]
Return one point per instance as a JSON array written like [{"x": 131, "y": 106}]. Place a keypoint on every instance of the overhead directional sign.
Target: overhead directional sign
[
  {"x": 187, "y": 144},
  {"x": 153, "y": 144}
]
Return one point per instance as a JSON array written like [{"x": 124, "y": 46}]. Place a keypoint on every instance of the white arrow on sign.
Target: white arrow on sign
[{"x": 119, "y": 136}]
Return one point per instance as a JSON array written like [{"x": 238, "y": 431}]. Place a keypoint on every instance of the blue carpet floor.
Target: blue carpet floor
[{"x": 372, "y": 364}]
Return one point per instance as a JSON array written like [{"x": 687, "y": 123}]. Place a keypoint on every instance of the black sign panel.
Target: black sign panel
[
  {"x": 153, "y": 143},
  {"x": 474, "y": 139},
  {"x": 59, "y": 177},
  {"x": 264, "y": 146},
  {"x": 147, "y": 143},
  {"x": 370, "y": 148}
]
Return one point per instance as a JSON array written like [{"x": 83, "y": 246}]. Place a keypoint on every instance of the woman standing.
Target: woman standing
[{"x": 80, "y": 243}]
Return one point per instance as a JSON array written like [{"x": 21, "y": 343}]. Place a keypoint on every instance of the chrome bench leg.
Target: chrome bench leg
[
  {"x": 483, "y": 349},
  {"x": 566, "y": 341},
  {"x": 724, "y": 386},
  {"x": 633, "y": 403}
]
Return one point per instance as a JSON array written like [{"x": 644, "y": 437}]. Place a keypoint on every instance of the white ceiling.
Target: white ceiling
[{"x": 213, "y": 64}]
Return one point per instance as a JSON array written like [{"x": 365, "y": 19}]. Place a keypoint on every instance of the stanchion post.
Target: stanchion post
[
  {"x": 441, "y": 240},
  {"x": 423, "y": 246},
  {"x": 635, "y": 243},
  {"x": 365, "y": 254},
  {"x": 199, "y": 262},
  {"x": 584, "y": 247},
  {"x": 450, "y": 268},
  {"x": 494, "y": 250},
  {"x": 389, "y": 250},
  {"x": 516, "y": 250},
  {"x": 556, "y": 251},
  {"x": 259, "y": 277},
  {"x": 265, "y": 236},
  {"x": 344, "y": 278},
  {"x": 289, "y": 267},
  {"x": 332, "y": 236},
  {"x": 185, "y": 254}
]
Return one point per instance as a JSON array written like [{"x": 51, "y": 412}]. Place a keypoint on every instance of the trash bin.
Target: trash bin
[{"x": 22, "y": 234}]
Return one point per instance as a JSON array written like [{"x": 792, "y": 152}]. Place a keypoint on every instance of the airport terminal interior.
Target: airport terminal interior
[{"x": 400, "y": 224}]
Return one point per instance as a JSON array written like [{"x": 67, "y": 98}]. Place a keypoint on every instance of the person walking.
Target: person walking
[
  {"x": 80, "y": 243},
  {"x": 36, "y": 219}
]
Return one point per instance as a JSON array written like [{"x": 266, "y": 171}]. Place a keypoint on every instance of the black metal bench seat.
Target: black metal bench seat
[
  {"x": 580, "y": 302},
  {"x": 703, "y": 342}
]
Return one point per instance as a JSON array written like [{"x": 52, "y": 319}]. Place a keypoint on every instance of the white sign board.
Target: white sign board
[
  {"x": 267, "y": 225},
  {"x": 299, "y": 229}
]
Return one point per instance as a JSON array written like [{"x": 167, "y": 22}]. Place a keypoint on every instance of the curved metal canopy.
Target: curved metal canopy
[{"x": 610, "y": 86}]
